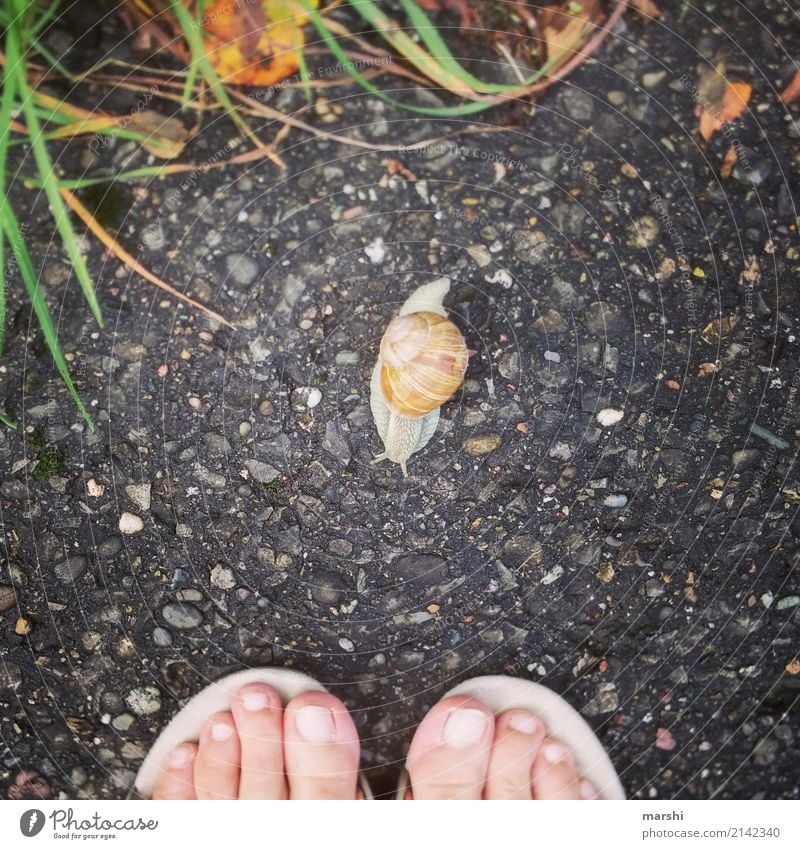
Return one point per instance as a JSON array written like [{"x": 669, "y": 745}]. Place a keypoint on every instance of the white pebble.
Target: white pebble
[
  {"x": 618, "y": 500},
  {"x": 609, "y": 416},
  {"x": 314, "y": 397},
  {"x": 130, "y": 524},
  {"x": 552, "y": 357},
  {"x": 376, "y": 251},
  {"x": 346, "y": 644}
]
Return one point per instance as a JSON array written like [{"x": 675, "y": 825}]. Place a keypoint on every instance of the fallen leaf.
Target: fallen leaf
[
  {"x": 257, "y": 43},
  {"x": 728, "y": 163},
  {"x": 719, "y": 101},
  {"x": 647, "y": 9},
  {"x": 564, "y": 29},
  {"x": 751, "y": 273},
  {"x": 166, "y": 136},
  {"x": 718, "y": 329},
  {"x": 792, "y": 91}
]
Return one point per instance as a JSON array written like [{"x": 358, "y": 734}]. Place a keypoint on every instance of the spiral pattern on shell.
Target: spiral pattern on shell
[{"x": 423, "y": 361}]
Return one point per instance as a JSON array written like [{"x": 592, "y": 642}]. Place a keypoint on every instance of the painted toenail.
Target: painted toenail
[
  {"x": 525, "y": 723},
  {"x": 254, "y": 700},
  {"x": 555, "y": 753},
  {"x": 316, "y": 724},
  {"x": 221, "y": 731},
  {"x": 587, "y": 790},
  {"x": 180, "y": 757},
  {"x": 464, "y": 728}
]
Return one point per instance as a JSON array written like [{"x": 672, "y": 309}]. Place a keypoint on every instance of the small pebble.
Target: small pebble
[
  {"x": 182, "y": 616},
  {"x": 346, "y": 644},
  {"x": 609, "y": 416},
  {"x": 616, "y": 500},
  {"x": 143, "y": 701},
  {"x": 376, "y": 251},
  {"x": 478, "y": 446},
  {"x": 130, "y": 523}
]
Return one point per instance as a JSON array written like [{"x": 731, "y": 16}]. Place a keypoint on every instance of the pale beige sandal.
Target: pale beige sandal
[
  {"x": 562, "y": 721},
  {"x": 185, "y": 726}
]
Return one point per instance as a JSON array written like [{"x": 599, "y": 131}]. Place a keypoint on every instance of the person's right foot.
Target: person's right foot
[{"x": 462, "y": 751}]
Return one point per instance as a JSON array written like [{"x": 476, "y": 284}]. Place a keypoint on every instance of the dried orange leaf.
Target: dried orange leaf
[
  {"x": 728, "y": 162},
  {"x": 719, "y": 329},
  {"x": 257, "y": 43},
  {"x": 647, "y": 9},
  {"x": 792, "y": 91},
  {"x": 564, "y": 29},
  {"x": 719, "y": 101}
]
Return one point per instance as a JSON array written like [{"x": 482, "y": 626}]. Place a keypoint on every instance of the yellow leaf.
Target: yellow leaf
[
  {"x": 255, "y": 44},
  {"x": 564, "y": 29}
]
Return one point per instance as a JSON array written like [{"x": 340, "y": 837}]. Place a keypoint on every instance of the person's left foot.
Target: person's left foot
[{"x": 261, "y": 750}]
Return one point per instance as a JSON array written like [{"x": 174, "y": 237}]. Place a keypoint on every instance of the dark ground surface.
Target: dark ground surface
[{"x": 647, "y": 570}]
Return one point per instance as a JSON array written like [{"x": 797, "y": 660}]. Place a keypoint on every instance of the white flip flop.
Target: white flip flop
[
  {"x": 185, "y": 726},
  {"x": 562, "y": 721}
]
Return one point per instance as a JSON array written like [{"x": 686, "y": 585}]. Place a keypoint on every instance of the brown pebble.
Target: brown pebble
[
  {"x": 478, "y": 446},
  {"x": 8, "y": 598},
  {"x": 23, "y": 626}
]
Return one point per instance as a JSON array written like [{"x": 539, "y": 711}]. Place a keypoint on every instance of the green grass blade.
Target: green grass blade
[
  {"x": 305, "y": 77},
  {"x": 199, "y": 58},
  {"x": 7, "y": 421},
  {"x": 7, "y": 99},
  {"x": 194, "y": 67},
  {"x": 15, "y": 63},
  {"x": 28, "y": 274},
  {"x": 441, "y": 52},
  {"x": 333, "y": 45}
]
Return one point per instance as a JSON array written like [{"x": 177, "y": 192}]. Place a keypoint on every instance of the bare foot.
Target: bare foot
[
  {"x": 260, "y": 750},
  {"x": 462, "y": 751}
]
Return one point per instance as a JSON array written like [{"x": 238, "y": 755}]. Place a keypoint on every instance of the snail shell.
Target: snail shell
[{"x": 421, "y": 365}]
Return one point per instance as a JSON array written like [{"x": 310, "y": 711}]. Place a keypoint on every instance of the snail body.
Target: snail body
[{"x": 420, "y": 366}]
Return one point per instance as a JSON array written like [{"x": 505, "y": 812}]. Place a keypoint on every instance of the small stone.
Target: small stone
[
  {"x": 69, "y": 570},
  {"x": 787, "y": 602},
  {"x": 144, "y": 701},
  {"x": 423, "y": 569},
  {"x": 129, "y": 523},
  {"x": 23, "y": 626},
  {"x": 123, "y": 722},
  {"x": 553, "y": 575},
  {"x": 242, "y": 268},
  {"x": 605, "y": 700},
  {"x": 560, "y": 451},
  {"x": 616, "y": 500},
  {"x": 602, "y": 318},
  {"x": 480, "y": 255},
  {"x": 162, "y": 637},
  {"x": 577, "y": 103},
  {"x": 478, "y": 446},
  {"x": 245, "y": 429},
  {"x": 509, "y": 366},
  {"x": 182, "y": 616},
  {"x": 139, "y": 494},
  {"x": 609, "y": 416},
  {"x": 745, "y": 458},
  {"x": 552, "y": 357},
  {"x": 523, "y": 552},
  {"x": 223, "y": 577},
  {"x": 305, "y": 398},
  {"x": 261, "y": 472},
  {"x": 550, "y": 322},
  {"x": 664, "y": 739},
  {"x": 654, "y": 588},
  {"x": 345, "y": 644},
  {"x": 94, "y": 489},
  {"x": 605, "y": 573},
  {"x": 652, "y": 79},
  {"x": 643, "y": 232},
  {"x": 8, "y": 598},
  {"x": 376, "y": 251}
]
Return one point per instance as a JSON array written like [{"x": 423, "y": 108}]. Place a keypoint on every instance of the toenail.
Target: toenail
[
  {"x": 315, "y": 724},
  {"x": 221, "y": 731},
  {"x": 464, "y": 728},
  {"x": 525, "y": 723},
  {"x": 555, "y": 753},
  {"x": 587, "y": 790},
  {"x": 180, "y": 757},
  {"x": 254, "y": 700}
]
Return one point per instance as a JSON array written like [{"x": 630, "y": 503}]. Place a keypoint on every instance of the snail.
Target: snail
[{"x": 421, "y": 364}]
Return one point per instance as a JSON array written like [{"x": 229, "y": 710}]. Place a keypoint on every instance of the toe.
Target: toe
[
  {"x": 258, "y": 714},
  {"x": 554, "y": 772},
  {"x": 320, "y": 748},
  {"x": 176, "y": 780},
  {"x": 449, "y": 755},
  {"x": 587, "y": 789},
  {"x": 517, "y": 737},
  {"x": 216, "y": 770}
]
